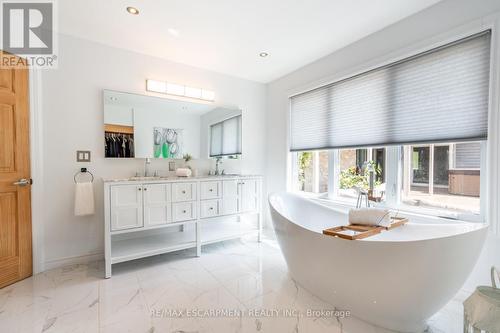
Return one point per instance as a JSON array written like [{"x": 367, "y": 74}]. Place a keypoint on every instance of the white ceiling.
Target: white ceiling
[{"x": 227, "y": 35}]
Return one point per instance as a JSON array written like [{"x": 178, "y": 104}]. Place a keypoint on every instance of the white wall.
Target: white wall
[
  {"x": 448, "y": 18},
  {"x": 73, "y": 119}
]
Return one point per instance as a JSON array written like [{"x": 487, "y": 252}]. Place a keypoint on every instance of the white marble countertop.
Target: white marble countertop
[{"x": 176, "y": 178}]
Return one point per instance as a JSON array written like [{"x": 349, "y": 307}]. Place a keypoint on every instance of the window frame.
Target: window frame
[
  {"x": 222, "y": 123},
  {"x": 394, "y": 164}
]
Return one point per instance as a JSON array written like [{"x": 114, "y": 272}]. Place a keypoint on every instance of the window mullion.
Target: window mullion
[
  {"x": 393, "y": 175},
  {"x": 431, "y": 169},
  {"x": 333, "y": 173},
  {"x": 315, "y": 170},
  {"x": 483, "y": 184}
]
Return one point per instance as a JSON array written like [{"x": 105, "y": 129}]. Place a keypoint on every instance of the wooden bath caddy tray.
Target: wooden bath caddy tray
[{"x": 355, "y": 231}]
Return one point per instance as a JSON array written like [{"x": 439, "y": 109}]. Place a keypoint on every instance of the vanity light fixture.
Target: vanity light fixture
[
  {"x": 179, "y": 90},
  {"x": 133, "y": 10},
  {"x": 175, "y": 89},
  {"x": 173, "y": 32},
  {"x": 193, "y": 92},
  {"x": 263, "y": 54},
  {"x": 156, "y": 86}
]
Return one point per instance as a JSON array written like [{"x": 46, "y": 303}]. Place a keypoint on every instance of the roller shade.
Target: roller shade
[
  {"x": 437, "y": 96},
  {"x": 225, "y": 137}
]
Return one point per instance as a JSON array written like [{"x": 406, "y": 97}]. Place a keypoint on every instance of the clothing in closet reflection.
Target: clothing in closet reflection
[{"x": 119, "y": 145}]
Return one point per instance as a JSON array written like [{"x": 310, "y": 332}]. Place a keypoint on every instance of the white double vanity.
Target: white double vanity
[
  {"x": 146, "y": 216},
  {"x": 149, "y": 217}
]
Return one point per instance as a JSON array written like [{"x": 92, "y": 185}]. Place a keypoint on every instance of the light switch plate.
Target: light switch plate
[{"x": 83, "y": 155}]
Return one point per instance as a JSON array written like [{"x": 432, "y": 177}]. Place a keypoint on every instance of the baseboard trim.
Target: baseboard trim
[{"x": 67, "y": 261}]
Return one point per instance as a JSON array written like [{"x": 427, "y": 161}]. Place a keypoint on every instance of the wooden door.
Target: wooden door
[
  {"x": 15, "y": 189},
  {"x": 126, "y": 207}
]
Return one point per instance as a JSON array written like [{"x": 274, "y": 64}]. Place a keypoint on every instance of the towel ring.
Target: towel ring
[{"x": 83, "y": 170}]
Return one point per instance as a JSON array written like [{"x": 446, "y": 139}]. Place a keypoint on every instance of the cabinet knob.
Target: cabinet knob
[
  {"x": 211, "y": 190},
  {"x": 211, "y": 208},
  {"x": 183, "y": 192},
  {"x": 145, "y": 189},
  {"x": 184, "y": 211},
  {"x": 140, "y": 189}
]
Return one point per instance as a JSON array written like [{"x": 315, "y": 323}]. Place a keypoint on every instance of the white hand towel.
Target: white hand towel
[
  {"x": 183, "y": 172},
  {"x": 370, "y": 216},
  {"x": 84, "y": 199}
]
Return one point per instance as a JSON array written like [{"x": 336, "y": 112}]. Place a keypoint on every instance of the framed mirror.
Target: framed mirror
[{"x": 141, "y": 126}]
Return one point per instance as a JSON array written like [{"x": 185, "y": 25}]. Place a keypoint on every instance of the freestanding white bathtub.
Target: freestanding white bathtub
[{"x": 395, "y": 280}]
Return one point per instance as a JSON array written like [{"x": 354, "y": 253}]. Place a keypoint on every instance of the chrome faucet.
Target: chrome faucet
[
  {"x": 218, "y": 161},
  {"x": 147, "y": 163}
]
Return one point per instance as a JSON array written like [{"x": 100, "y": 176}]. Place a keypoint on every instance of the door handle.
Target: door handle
[{"x": 23, "y": 182}]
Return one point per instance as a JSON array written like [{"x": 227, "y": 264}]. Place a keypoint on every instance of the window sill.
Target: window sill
[{"x": 435, "y": 216}]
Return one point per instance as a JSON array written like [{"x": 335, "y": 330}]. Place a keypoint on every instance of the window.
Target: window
[
  {"x": 311, "y": 171},
  {"x": 452, "y": 189},
  {"x": 357, "y": 168},
  {"x": 443, "y": 177},
  {"x": 225, "y": 137},
  {"x": 412, "y": 133}
]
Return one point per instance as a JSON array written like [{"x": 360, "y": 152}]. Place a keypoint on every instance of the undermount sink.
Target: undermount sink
[{"x": 145, "y": 178}]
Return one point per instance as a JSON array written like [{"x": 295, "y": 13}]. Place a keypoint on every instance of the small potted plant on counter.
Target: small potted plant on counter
[{"x": 187, "y": 158}]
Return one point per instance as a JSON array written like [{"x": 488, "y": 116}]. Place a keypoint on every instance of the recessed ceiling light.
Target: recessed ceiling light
[
  {"x": 133, "y": 10},
  {"x": 173, "y": 32},
  {"x": 263, "y": 54}
]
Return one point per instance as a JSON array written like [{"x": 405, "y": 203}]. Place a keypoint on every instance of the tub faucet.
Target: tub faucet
[{"x": 218, "y": 161}]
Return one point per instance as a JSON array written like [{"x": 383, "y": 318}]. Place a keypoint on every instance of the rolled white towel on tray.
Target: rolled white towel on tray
[{"x": 370, "y": 216}]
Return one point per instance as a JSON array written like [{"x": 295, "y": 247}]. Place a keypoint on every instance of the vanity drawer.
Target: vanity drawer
[
  {"x": 183, "y": 211},
  {"x": 209, "y": 208},
  {"x": 183, "y": 192},
  {"x": 210, "y": 190}
]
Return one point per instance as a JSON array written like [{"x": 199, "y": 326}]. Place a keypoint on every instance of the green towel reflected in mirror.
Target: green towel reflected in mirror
[{"x": 164, "y": 150}]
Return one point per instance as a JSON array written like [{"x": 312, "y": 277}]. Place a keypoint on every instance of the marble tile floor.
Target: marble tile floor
[{"x": 235, "y": 286}]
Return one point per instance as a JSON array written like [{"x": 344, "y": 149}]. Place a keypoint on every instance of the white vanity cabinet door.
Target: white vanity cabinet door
[
  {"x": 183, "y": 211},
  {"x": 126, "y": 207},
  {"x": 209, "y": 208},
  {"x": 183, "y": 192},
  {"x": 210, "y": 190},
  {"x": 230, "y": 197},
  {"x": 157, "y": 204},
  {"x": 249, "y": 192}
]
